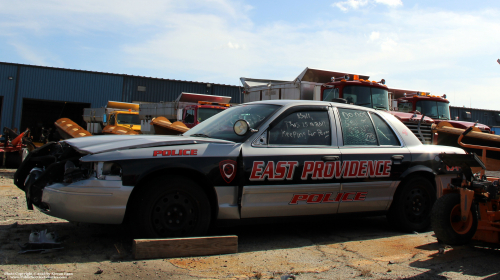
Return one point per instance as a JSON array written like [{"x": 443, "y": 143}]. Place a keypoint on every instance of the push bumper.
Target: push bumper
[{"x": 88, "y": 201}]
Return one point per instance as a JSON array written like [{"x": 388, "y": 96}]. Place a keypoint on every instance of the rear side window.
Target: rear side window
[
  {"x": 357, "y": 128},
  {"x": 360, "y": 128},
  {"x": 385, "y": 134},
  {"x": 302, "y": 128}
]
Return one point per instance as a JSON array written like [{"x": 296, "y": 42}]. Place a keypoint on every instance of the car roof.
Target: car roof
[{"x": 291, "y": 103}]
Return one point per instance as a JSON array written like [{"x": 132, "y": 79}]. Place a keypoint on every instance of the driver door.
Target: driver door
[{"x": 290, "y": 168}]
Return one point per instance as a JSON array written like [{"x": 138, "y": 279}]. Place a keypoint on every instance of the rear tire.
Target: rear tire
[
  {"x": 171, "y": 207},
  {"x": 412, "y": 204},
  {"x": 447, "y": 224}
]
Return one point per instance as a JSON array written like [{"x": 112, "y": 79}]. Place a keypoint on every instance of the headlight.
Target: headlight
[{"x": 108, "y": 171}]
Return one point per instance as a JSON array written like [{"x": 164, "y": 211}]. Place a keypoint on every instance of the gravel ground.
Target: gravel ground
[{"x": 364, "y": 248}]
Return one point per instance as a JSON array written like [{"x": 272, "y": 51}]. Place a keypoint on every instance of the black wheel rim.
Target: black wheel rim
[
  {"x": 174, "y": 214},
  {"x": 417, "y": 204}
]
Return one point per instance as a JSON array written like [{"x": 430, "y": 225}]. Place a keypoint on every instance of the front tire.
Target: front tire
[
  {"x": 447, "y": 223},
  {"x": 412, "y": 204},
  {"x": 171, "y": 207}
]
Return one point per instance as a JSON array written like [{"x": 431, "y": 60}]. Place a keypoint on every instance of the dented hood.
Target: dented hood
[
  {"x": 105, "y": 143},
  {"x": 465, "y": 124}
]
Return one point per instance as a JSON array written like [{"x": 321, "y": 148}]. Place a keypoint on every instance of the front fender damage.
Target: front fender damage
[{"x": 54, "y": 162}]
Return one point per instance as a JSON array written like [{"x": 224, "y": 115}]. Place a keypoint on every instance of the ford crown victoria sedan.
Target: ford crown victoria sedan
[{"x": 265, "y": 159}]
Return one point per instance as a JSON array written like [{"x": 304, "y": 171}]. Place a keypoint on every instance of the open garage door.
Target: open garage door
[{"x": 39, "y": 116}]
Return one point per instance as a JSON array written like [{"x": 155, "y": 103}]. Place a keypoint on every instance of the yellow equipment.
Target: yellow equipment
[{"x": 470, "y": 206}]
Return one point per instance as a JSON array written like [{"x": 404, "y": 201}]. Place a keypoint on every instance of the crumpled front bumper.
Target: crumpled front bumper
[{"x": 89, "y": 201}]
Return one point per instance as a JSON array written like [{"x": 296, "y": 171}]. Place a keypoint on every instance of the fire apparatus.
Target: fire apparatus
[{"x": 323, "y": 85}]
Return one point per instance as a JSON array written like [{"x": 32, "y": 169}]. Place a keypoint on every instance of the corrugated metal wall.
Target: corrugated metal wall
[
  {"x": 7, "y": 91},
  {"x": 487, "y": 117},
  {"x": 156, "y": 90},
  {"x": 66, "y": 85}
]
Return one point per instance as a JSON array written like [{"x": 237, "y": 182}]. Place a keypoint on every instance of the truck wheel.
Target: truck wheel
[
  {"x": 448, "y": 225},
  {"x": 412, "y": 204},
  {"x": 172, "y": 207}
]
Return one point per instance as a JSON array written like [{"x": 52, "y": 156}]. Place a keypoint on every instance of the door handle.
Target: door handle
[
  {"x": 330, "y": 158},
  {"x": 398, "y": 157}
]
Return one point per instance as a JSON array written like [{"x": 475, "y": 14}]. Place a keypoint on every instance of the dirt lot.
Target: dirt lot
[{"x": 330, "y": 249}]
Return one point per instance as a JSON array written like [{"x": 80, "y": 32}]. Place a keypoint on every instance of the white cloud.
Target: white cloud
[
  {"x": 389, "y": 45},
  {"x": 391, "y": 3},
  {"x": 350, "y": 4},
  {"x": 356, "y": 4},
  {"x": 374, "y": 36},
  {"x": 28, "y": 53},
  {"x": 233, "y": 46}
]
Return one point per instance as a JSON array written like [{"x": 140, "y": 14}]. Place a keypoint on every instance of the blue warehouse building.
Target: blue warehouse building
[{"x": 35, "y": 96}]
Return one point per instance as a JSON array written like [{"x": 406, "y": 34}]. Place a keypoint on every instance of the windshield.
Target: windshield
[
  {"x": 370, "y": 97},
  {"x": 220, "y": 126},
  {"x": 205, "y": 113},
  {"x": 434, "y": 109},
  {"x": 330, "y": 93},
  {"x": 405, "y": 107},
  {"x": 128, "y": 119}
]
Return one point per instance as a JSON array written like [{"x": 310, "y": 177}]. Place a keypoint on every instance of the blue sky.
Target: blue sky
[{"x": 445, "y": 47}]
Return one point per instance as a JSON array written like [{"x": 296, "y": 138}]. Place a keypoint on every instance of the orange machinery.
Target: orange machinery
[{"x": 470, "y": 207}]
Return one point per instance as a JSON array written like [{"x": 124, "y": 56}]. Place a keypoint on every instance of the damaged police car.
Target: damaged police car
[{"x": 258, "y": 160}]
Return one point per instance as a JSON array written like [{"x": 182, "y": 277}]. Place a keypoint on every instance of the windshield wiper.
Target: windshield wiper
[{"x": 199, "y": 135}]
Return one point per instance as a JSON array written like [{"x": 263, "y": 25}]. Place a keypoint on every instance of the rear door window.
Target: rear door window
[
  {"x": 357, "y": 128},
  {"x": 361, "y": 128}
]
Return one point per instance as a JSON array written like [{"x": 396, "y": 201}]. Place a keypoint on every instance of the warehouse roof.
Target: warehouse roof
[{"x": 106, "y": 73}]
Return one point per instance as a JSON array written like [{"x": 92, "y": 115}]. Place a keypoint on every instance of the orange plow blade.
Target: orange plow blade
[
  {"x": 164, "y": 127},
  {"x": 69, "y": 129}
]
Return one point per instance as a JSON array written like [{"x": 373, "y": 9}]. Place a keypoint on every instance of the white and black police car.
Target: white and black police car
[{"x": 266, "y": 159}]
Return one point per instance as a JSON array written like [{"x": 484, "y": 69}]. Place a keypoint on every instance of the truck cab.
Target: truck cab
[
  {"x": 435, "y": 107},
  {"x": 357, "y": 91},
  {"x": 126, "y": 119},
  {"x": 116, "y": 118},
  {"x": 192, "y": 115}
]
